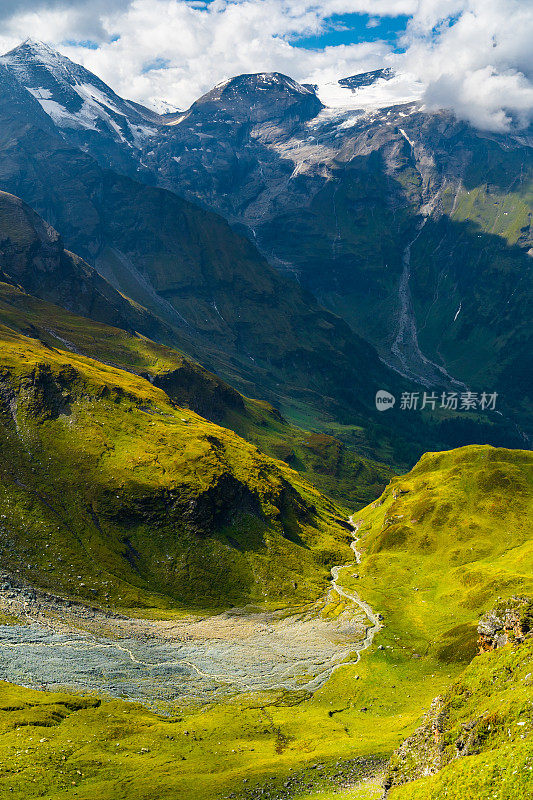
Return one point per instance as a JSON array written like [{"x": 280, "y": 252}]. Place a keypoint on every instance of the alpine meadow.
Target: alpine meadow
[{"x": 266, "y": 400}]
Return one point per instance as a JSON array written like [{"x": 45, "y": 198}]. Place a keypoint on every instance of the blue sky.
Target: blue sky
[
  {"x": 353, "y": 29},
  {"x": 340, "y": 29}
]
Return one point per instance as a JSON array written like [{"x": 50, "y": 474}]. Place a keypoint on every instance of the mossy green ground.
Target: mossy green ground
[
  {"x": 121, "y": 488},
  {"x": 364, "y": 711},
  {"x": 135, "y": 502},
  {"x": 370, "y": 791},
  {"x": 335, "y": 468},
  {"x": 117, "y": 750},
  {"x": 492, "y": 703},
  {"x": 8, "y": 619},
  {"x": 443, "y": 543}
]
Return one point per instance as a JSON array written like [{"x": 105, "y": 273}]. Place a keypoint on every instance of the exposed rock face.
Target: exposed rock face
[
  {"x": 334, "y": 197},
  {"x": 202, "y": 513},
  {"x": 221, "y": 504},
  {"x": 194, "y": 388},
  {"x": 510, "y": 621},
  {"x": 33, "y": 256},
  {"x": 448, "y": 732},
  {"x": 422, "y": 753},
  {"x": 213, "y": 295},
  {"x": 80, "y": 103},
  {"x": 366, "y": 78}
]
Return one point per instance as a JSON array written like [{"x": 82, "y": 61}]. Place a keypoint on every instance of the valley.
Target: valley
[
  {"x": 225, "y": 572},
  {"x": 344, "y": 727},
  {"x": 260, "y": 170},
  {"x": 159, "y": 662}
]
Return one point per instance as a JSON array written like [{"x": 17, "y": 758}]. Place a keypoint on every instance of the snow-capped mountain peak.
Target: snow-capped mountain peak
[
  {"x": 73, "y": 96},
  {"x": 255, "y": 97},
  {"x": 354, "y": 82}
]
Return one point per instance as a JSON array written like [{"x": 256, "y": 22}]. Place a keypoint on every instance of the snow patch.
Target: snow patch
[
  {"x": 383, "y": 93},
  {"x": 40, "y": 93},
  {"x": 66, "y": 80},
  {"x": 65, "y": 119},
  {"x": 405, "y": 136},
  {"x": 161, "y": 106},
  {"x": 92, "y": 95}
]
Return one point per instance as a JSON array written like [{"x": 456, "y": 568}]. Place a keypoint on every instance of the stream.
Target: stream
[
  {"x": 406, "y": 356},
  {"x": 192, "y": 659}
]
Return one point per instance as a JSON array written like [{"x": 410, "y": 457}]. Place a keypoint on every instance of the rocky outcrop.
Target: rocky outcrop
[
  {"x": 449, "y": 729},
  {"x": 223, "y": 503},
  {"x": 192, "y": 387},
  {"x": 422, "y": 753},
  {"x": 509, "y": 621}
]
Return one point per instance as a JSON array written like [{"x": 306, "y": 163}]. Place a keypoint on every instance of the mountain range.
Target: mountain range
[
  {"x": 413, "y": 230},
  {"x": 208, "y": 286},
  {"x": 199, "y": 311}
]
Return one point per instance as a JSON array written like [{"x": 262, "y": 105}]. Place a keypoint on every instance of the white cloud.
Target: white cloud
[
  {"x": 202, "y": 46},
  {"x": 176, "y": 50},
  {"x": 474, "y": 56}
]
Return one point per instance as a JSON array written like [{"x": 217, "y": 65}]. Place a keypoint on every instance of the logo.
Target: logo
[{"x": 384, "y": 400}]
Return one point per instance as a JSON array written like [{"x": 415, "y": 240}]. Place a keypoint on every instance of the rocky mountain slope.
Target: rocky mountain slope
[
  {"x": 359, "y": 189},
  {"x": 79, "y": 101},
  {"x": 32, "y": 256},
  {"x": 141, "y": 490},
  {"x": 412, "y": 227},
  {"x": 212, "y": 292},
  {"x": 398, "y": 218}
]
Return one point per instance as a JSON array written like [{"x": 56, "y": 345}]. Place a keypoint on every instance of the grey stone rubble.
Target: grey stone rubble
[{"x": 60, "y": 643}]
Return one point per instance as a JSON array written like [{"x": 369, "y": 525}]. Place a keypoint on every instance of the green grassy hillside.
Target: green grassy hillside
[
  {"x": 431, "y": 586},
  {"x": 446, "y": 540},
  {"x": 478, "y": 735},
  {"x": 335, "y": 468},
  {"x": 135, "y": 501}
]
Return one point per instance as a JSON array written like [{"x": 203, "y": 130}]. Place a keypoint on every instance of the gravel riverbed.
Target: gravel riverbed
[{"x": 58, "y": 644}]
